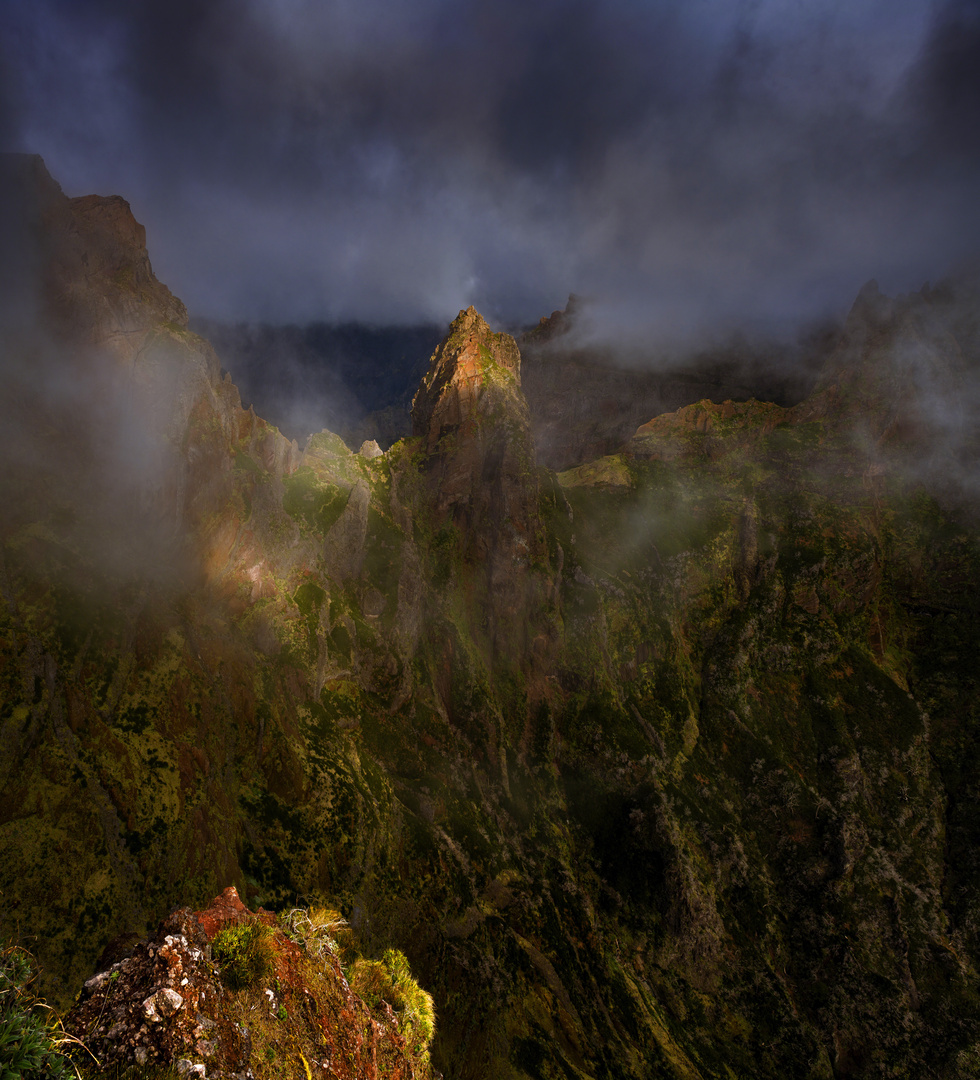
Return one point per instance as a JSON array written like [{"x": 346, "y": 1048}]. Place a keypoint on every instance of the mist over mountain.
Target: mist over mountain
[
  {"x": 629, "y": 688},
  {"x": 665, "y": 764},
  {"x": 359, "y": 380}
]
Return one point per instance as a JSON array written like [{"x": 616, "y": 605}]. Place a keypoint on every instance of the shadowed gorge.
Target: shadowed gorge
[{"x": 664, "y": 765}]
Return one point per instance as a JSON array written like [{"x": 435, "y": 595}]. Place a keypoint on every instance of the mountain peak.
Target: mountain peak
[
  {"x": 469, "y": 359},
  {"x": 469, "y": 317}
]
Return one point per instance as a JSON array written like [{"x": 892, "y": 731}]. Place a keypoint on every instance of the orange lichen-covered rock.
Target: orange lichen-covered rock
[{"x": 163, "y": 1004}]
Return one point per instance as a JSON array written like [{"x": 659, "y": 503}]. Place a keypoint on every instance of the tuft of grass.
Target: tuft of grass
[
  {"x": 244, "y": 953},
  {"x": 318, "y": 929},
  {"x": 390, "y": 979}
]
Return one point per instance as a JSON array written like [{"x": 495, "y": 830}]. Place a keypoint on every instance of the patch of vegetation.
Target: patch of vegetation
[
  {"x": 311, "y": 501},
  {"x": 246, "y": 463},
  {"x": 299, "y": 1023},
  {"x": 444, "y": 555},
  {"x": 309, "y": 598},
  {"x": 244, "y": 953},
  {"x": 328, "y": 444},
  {"x": 382, "y": 555}
]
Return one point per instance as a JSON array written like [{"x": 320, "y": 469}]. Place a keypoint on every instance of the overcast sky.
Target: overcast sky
[{"x": 682, "y": 162}]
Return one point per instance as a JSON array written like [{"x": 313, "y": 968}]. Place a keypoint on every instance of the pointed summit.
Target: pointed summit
[{"x": 471, "y": 361}]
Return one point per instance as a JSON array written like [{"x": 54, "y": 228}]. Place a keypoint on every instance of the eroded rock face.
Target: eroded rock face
[{"x": 107, "y": 286}]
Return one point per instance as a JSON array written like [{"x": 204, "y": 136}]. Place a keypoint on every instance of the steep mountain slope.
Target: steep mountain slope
[
  {"x": 662, "y": 766},
  {"x": 584, "y": 400}
]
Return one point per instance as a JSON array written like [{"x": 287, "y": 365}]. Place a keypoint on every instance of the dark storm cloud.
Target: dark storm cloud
[
  {"x": 686, "y": 164},
  {"x": 948, "y": 81}
]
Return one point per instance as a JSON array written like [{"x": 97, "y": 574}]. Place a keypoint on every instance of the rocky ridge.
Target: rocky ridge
[{"x": 479, "y": 469}]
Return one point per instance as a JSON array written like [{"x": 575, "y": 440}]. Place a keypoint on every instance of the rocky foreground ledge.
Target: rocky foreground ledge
[{"x": 171, "y": 1003}]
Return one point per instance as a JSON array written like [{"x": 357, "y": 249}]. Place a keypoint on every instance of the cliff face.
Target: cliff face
[{"x": 662, "y": 766}]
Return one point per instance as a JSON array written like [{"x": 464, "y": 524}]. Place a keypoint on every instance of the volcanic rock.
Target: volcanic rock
[{"x": 164, "y": 1002}]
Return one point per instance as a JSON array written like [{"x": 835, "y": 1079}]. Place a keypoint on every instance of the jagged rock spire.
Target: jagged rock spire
[
  {"x": 470, "y": 357},
  {"x": 481, "y": 475}
]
